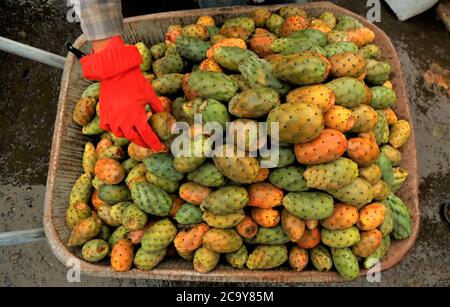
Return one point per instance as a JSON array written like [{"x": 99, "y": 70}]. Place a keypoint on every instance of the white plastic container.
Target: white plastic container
[{"x": 405, "y": 9}]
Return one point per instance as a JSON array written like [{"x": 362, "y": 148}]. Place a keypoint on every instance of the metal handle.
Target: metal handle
[
  {"x": 22, "y": 237},
  {"x": 32, "y": 53}
]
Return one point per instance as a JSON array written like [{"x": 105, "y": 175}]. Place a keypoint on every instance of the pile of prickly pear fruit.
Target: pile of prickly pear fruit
[{"x": 329, "y": 202}]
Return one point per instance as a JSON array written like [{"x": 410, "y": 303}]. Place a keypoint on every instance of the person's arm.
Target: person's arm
[{"x": 100, "y": 20}]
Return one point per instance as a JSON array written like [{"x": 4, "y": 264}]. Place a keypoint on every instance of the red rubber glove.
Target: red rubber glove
[{"x": 124, "y": 92}]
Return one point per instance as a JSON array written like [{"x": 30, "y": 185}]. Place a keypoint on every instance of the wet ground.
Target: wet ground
[{"x": 28, "y": 100}]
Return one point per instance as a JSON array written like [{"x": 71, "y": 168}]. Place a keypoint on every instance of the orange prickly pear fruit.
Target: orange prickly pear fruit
[
  {"x": 176, "y": 204},
  {"x": 122, "y": 255},
  {"x": 292, "y": 24},
  {"x": 348, "y": 64},
  {"x": 85, "y": 230},
  {"x": 260, "y": 16},
  {"x": 369, "y": 242},
  {"x": 366, "y": 118},
  {"x": 344, "y": 216},
  {"x": 263, "y": 174},
  {"x": 102, "y": 145},
  {"x": 339, "y": 118},
  {"x": 139, "y": 153},
  {"x": 390, "y": 115},
  {"x": 328, "y": 146},
  {"x": 361, "y": 36},
  {"x": 293, "y": 226},
  {"x": 109, "y": 171},
  {"x": 172, "y": 33},
  {"x": 166, "y": 103},
  {"x": 226, "y": 42},
  {"x": 363, "y": 151},
  {"x": 266, "y": 217},
  {"x": 261, "y": 41},
  {"x": 298, "y": 258},
  {"x": 371, "y": 216},
  {"x": 318, "y": 95},
  {"x": 247, "y": 228},
  {"x": 194, "y": 193},
  {"x": 206, "y": 21},
  {"x": 96, "y": 202},
  {"x": 210, "y": 64},
  {"x": 319, "y": 24},
  {"x": 264, "y": 195},
  {"x": 191, "y": 239},
  {"x": 311, "y": 224},
  {"x": 310, "y": 239}
]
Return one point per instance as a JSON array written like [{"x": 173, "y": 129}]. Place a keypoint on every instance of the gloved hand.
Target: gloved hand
[{"x": 124, "y": 92}]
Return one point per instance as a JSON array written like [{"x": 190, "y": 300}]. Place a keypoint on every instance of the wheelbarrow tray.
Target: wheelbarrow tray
[{"x": 68, "y": 144}]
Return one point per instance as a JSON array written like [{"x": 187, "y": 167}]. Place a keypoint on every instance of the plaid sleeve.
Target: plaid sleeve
[{"x": 99, "y": 18}]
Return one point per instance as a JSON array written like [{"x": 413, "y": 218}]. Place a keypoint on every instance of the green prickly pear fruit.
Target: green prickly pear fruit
[
  {"x": 207, "y": 175},
  {"x": 189, "y": 256},
  {"x": 85, "y": 230},
  {"x": 286, "y": 157},
  {"x": 104, "y": 213},
  {"x": 189, "y": 240},
  {"x": 329, "y": 19},
  {"x": 231, "y": 57},
  {"x": 258, "y": 73},
  {"x": 118, "y": 234},
  {"x": 309, "y": 205},
  {"x": 370, "y": 51},
  {"x": 205, "y": 260},
  {"x": 159, "y": 235},
  {"x": 321, "y": 258},
  {"x": 400, "y": 176},
  {"x": 196, "y": 30},
  {"x": 369, "y": 242},
  {"x": 192, "y": 48},
  {"x": 211, "y": 110},
  {"x": 381, "y": 190},
  {"x": 358, "y": 193},
  {"x": 346, "y": 23},
  {"x": 344, "y": 216},
  {"x": 265, "y": 257},
  {"x": 303, "y": 69},
  {"x": 113, "y": 152},
  {"x": 254, "y": 103},
  {"x": 349, "y": 92},
  {"x": 244, "y": 22},
  {"x": 89, "y": 158},
  {"x": 222, "y": 240},
  {"x": 289, "y": 178},
  {"x": 167, "y": 85},
  {"x": 269, "y": 235},
  {"x": 128, "y": 165},
  {"x": 378, "y": 254},
  {"x": 137, "y": 174},
  {"x": 293, "y": 226},
  {"x": 189, "y": 214},
  {"x": 316, "y": 37},
  {"x": 348, "y": 64},
  {"x": 371, "y": 173},
  {"x": 298, "y": 122},
  {"x": 109, "y": 171},
  {"x": 260, "y": 16},
  {"x": 298, "y": 258},
  {"x": 366, "y": 118},
  {"x": 246, "y": 134},
  {"x": 84, "y": 110},
  {"x": 377, "y": 72},
  {"x": 402, "y": 220},
  {"x": 274, "y": 22},
  {"x": 116, "y": 212},
  {"x": 209, "y": 85},
  {"x": 288, "y": 46},
  {"x": 151, "y": 199},
  {"x": 95, "y": 250},
  {"x": 238, "y": 258},
  {"x": 169, "y": 186},
  {"x": 105, "y": 233},
  {"x": 339, "y": 47},
  {"x": 234, "y": 164},
  {"x": 388, "y": 222},
  {"x": 93, "y": 90},
  {"x": 158, "y": 50},
  {"x": 383, "y": 97},
  {"x": 381, "y": 130},
  {"x": 161, "y": 165},
  {"x": 146, "y": 56},
  {"x": 223, "y": 221},
  {"x": 113, "y": 194},
  {"x": 331, "y": 175},
  {"x": 134, "y": 218},
  {"x": 226, "y": 200},
  {"x": 161, "y": 124},
  {"x": 340, "y": 238},
  {"x": 172, "y": 63},
  {"x": 81, "y": 190},
  {"x": 394, "y": 155},
  {"x": 387, "y": 172},
  {"x": 145, "y": 260},
  {"x": 77, "y": 212},
  {"x": 345, "y": 263},
  {"x": 240, "y": 81},
  {"x": 399, "y": 133}
]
